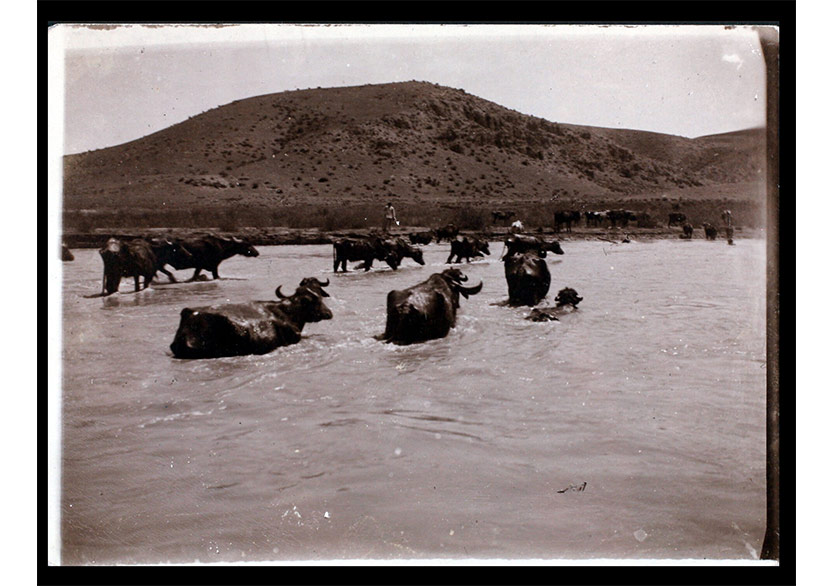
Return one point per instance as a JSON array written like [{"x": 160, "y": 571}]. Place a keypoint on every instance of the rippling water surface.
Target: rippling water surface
[{"x": 473, "y": 446}]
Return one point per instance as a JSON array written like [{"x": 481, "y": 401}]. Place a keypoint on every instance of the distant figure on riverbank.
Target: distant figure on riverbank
[
  {"x": 727, "y": 220},
  {"x": 390, "y": 218}
]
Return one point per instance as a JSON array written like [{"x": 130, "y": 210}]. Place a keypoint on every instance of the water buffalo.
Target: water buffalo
[
  {"x": 427, "y": 310},
  {"x": 595, "y": 218},
  {"x": 209, "y": 251},
  {"x": 710, "y": 231},
  {"x": 421, "y": 237},
  {"x": 365, "y": 249},
  {"x": 620, "y": 217},
  {"x": 171, "y": 252},
  {"x": 517, "y": 244},
  {"x": 645, "y": 220},
  {"x": 686, "y": 231},
  {"x": 566, "y": 218},
  {"x": 448, "y": 232},
  {"x": 256, "y": 327},
  {"x": 66, "y": 255},
  {"x": 467, "y": 247},
  {"x": 402, "y": 249},
  {"x": 676, "y": 219},
  {"x": 565, "y": 298},
  {"x": 528, "y": 278},
  {"x": 503, "y": 216},
  {"x": 127, "y": 259}
]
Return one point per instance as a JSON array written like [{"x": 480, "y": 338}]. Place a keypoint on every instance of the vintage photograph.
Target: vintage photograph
[{"x": 427, "y": 292}]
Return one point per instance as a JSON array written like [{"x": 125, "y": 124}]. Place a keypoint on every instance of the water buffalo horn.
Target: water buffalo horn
[
  {"x": 467, "y": 291},
  {"x": 325, "y": 284},
  {"x": 279, "y": 294}
]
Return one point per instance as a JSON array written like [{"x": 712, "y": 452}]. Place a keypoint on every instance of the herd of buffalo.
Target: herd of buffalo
[{"x": 422, "y": 312}]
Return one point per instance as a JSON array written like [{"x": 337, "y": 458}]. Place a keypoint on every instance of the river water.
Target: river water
[{"x": 651, "y": 396}]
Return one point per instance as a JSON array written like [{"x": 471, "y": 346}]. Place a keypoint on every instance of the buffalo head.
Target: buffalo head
[
  {"x": 455, "y": 277},
  {"x": 243, "y": 247},
  {"x": 568, "y": 296},
  {"x": 307, "y": 301}
]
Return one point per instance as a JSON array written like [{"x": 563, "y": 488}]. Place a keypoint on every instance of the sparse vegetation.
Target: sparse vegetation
[{"x": 448, "y": 156}]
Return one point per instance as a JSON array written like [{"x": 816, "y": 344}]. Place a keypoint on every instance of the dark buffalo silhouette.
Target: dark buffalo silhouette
[
  {"x": 567, "y": 300},
  {"x": 66, "y": 254},
  {"x": 366, "y": 250},
  {"x": 676, "y": 219},
  {"x": 502, "y": 216},
  {"x": 467, "y": 247},
  {"x": 645, "y": 220},
  {"x": 595, "y": 219},
  {"x": 134, "y": 258},
  {"x": 565, "y": 218},
  {"x": 421, "y": 237},
  {"x": 208, "y": 251},
  {"x": 520, "y": 243},
  {"x": 427, "y": 310},
  {"x": 686, "y": 231},
  {"x": 448, "y": 232},
  {"x": 620, "y": 217},
  {"x": 528, "y": 278},
  {"x": 170, "y": 252},
  {"x": 255, "y": 327},
  {"x": 710, "y": 231},
  {"x": 401, "y": 249}
]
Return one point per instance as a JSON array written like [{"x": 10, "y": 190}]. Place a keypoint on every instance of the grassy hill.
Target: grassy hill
[{"x": 330, "y": 158}]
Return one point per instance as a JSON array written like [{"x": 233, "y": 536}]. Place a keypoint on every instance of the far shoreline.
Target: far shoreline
[{"x": 277, "y": 236}]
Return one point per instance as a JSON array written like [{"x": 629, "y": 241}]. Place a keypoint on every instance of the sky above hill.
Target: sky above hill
[{"x": 122, "y": 83}]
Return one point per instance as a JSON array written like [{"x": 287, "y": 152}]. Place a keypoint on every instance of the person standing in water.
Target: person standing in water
[
  {"x": 729, "y": 227},
  {"x": 389, "y": 218}
]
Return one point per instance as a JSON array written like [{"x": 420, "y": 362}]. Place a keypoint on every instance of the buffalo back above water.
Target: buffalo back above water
[
  {"x": 427, "y": 310},
  {"x": 528, "y": 278},
  {"x": 255, "y": 327},
  {"x": 519, "y": 243}
]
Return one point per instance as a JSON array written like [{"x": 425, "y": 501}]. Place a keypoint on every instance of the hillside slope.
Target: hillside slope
[{"x": 415, "y": 143}]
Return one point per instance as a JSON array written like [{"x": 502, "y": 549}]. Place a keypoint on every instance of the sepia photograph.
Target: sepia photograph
[{"x": 412, "y": 293}]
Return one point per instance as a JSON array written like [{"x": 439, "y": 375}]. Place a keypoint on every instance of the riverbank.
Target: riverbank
[{"x": 279, "y": 235}]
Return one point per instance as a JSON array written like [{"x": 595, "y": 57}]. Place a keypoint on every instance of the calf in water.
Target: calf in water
[{"x": 567, "y": 300}]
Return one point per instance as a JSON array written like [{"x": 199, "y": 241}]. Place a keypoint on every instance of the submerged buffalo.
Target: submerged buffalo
[
  {"x": 467, "y": 247},
  {"x": 518, "y": 243},
  {"x": 567, "y": 300},
  {"x": 528, "y": 278},
  {"x": 256, "y": 327},
  {"x": 427, "y": 310},
  {"x": 66, "y": 254},
  {"x": 366, "y": 250},
  {"x": 686, "y": 231},
  {"x": 208, "y": 251}
]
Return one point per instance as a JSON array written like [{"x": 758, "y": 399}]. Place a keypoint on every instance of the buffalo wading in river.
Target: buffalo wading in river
[{"x": 427, "y": 310}]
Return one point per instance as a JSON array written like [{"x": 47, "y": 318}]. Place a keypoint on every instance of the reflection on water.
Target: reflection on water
[{"x": 652, "y": 394}]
